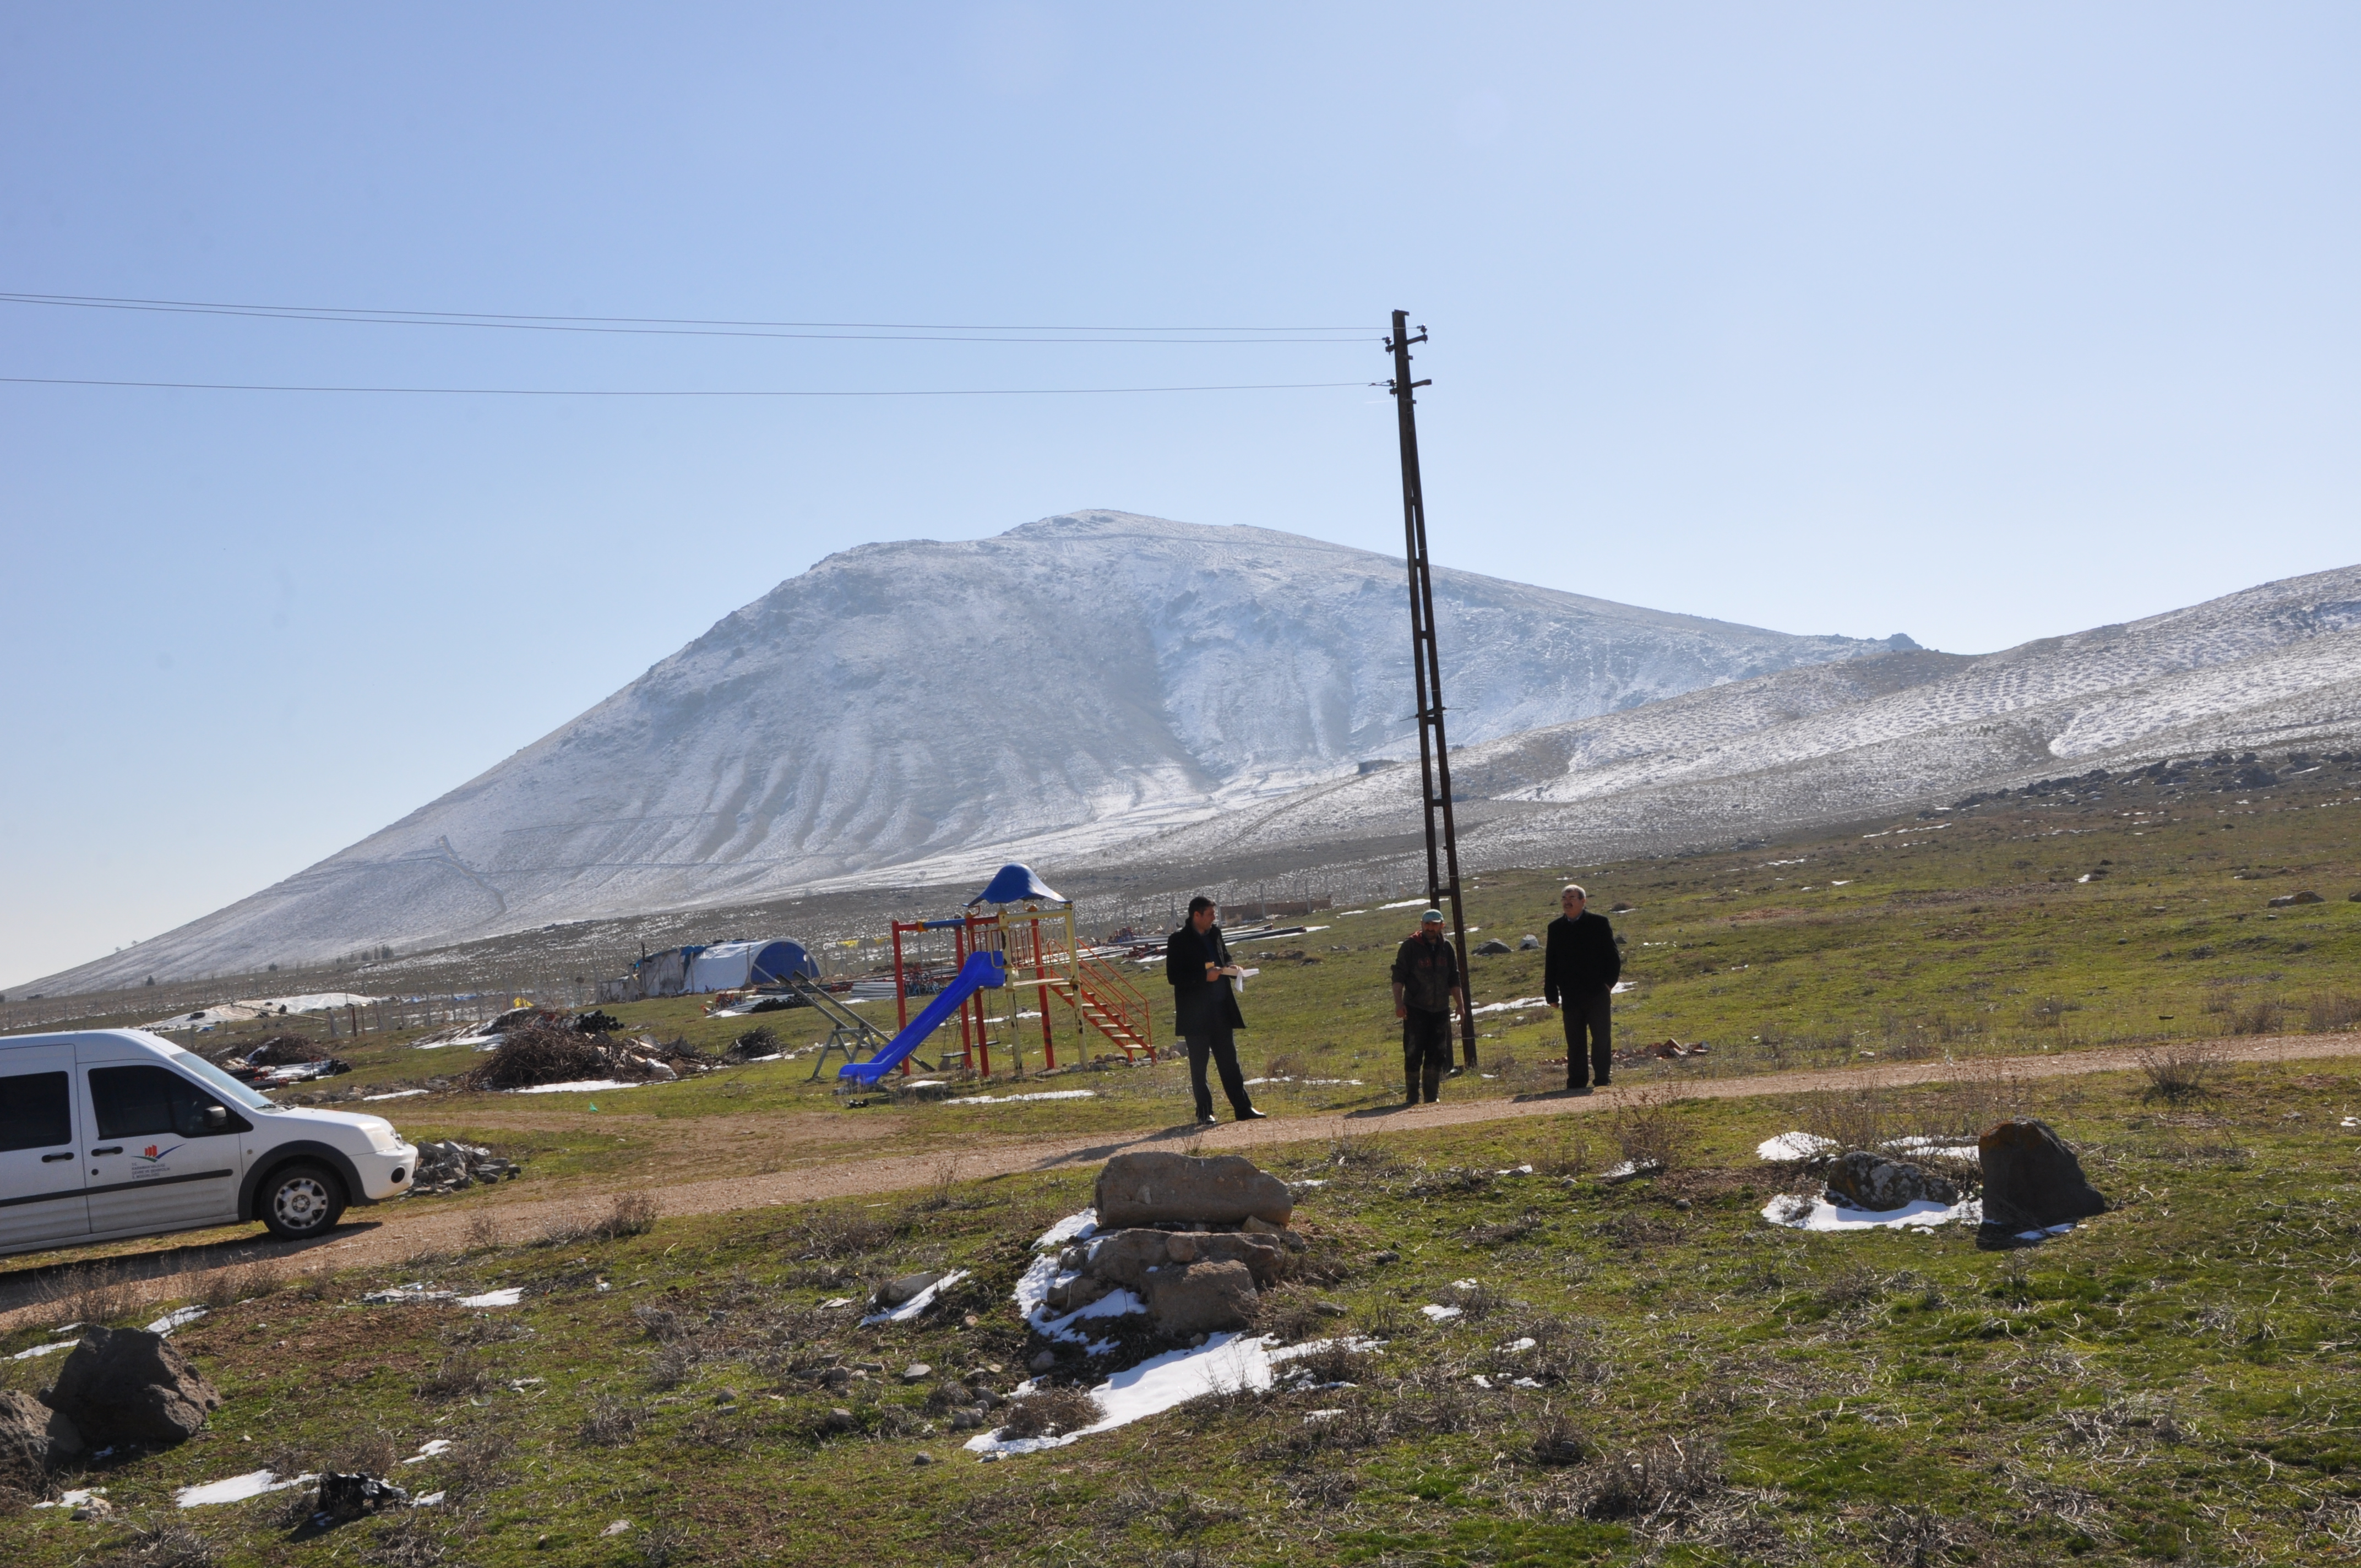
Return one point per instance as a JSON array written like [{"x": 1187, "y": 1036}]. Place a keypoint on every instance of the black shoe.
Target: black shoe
[
  {"x": 1207, "y": 1119},
  {"x": 1251, "y": 1114},
  {"x": 1602, "y": 1082},
  {"x": 1577, "y": 1089}
]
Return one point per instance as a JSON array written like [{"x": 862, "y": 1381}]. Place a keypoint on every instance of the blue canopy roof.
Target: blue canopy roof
[{"x": 1016, "y": 884}]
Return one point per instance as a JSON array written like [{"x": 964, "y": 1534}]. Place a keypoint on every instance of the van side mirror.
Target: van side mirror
[{"x": 216, "y": 1118}]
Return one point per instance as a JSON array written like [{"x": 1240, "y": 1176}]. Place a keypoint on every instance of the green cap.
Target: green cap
[{"x": 1431, "y": 917}]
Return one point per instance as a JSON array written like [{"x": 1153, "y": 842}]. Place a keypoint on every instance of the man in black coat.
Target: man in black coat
[
  {"x": 1197, "y": 963},
  {"x": 1578, "y": 973},
  {"x": 1426, "y": 989}
]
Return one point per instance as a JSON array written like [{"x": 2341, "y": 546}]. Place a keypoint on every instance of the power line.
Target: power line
[
  {"x": 663, "y": 326},
  {"x": 614, "y": 392}
]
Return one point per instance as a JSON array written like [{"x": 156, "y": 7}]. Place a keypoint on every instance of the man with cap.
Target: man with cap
[
  {"x": 1426, "y": 989},
  {"x": 1205, "y": 1009},
  {"x": 1578, "y": 973}
]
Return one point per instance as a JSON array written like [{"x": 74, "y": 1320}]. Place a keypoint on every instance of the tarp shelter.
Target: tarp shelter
[
  {"x": 734, "y": 966},
  {"x": 1014, "y": 884}
]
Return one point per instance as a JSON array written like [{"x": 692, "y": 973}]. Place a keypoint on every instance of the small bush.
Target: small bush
[
  {"x": 1650, "y": 1131},
  {"x": 610, "y": 1423},
  {"x": 631, "y": 1214},
  {"x": 462, "y": 1375},
  {"x": 2264, "y": 1017},
  {"x": 758, "y": 1041},
  {"x": 1334, "y": 1361},
  {"x": 166, "y": 1546},
  {"x": 1560, "y": 1443},
  {"x": 2333, "y": 1013},
  {"x": 1050, "y": 1412},
  {"x": 1648, "y": 1483},
  {"x": 2176, "y": 1073}
]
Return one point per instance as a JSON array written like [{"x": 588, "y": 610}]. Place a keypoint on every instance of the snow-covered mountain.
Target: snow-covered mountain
[
  {"x": 2276, "y": 668},
  {"x": 912, "y": 710}
]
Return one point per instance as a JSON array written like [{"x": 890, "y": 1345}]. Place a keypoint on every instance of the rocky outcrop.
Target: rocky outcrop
[
  {"x": 1202, "y": 1297},
  {"x": 130, "y": 1386},
  {"x": 34, "y": 1439},
  {"x": 1860, "y": 1179},
  {"x": 1149, "y": 1189},
  {"x": 2032, "y": 1181}
]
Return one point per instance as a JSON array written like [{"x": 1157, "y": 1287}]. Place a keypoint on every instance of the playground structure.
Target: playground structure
[{"x": 1027, "y": 943}]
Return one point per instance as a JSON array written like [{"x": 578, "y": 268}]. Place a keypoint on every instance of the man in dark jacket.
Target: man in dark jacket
[
  {"x": 1426, "y": 989},
  {"x": 1578, "y": 973},
  {"x": 1197, "y": 963}
]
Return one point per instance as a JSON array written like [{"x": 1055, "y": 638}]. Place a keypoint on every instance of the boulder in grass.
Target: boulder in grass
[
  {"x": 1147, "y": 1187},
  {"x": 2032, "y": 1181},
  {"x": 1202, "y": 1299},
  {"x": 903, "y": 1290},
  {"x": 1493, "y": 947},
  {"x": 130, "y": 1386},
  {"x": 1860, "y": 1180},
  {"x": 345, "y": 1498},
  {"x": 33, "y": 1439}
]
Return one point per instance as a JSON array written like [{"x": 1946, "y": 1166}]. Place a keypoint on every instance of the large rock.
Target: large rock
[
  {"x": 1133, "y": 1258},
  {"x": 2032, "y": 1179},
  {"x": 1860, "y": 1180},
  {"x": 1202, "y": 1299},
  {"x": 1146, "y": 1188},
  {"x": 130, "y": 1386},
  {"x": 33, "y": 1438}
]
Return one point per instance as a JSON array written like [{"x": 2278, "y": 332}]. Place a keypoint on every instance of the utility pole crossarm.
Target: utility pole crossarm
[{"x": 1426, "y": 666}]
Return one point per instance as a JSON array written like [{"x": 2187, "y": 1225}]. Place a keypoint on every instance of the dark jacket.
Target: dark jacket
[
  {"x": 1428, "y": 974},
  {"x": 1582, "y": 958},
  {"x": 1200, "y": 1005}
]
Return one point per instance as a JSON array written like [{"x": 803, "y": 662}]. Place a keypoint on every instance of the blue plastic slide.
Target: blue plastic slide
[{"x": 982, "y": 970}]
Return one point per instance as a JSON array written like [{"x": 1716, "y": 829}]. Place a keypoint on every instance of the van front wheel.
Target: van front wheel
[{"x": 300, "y": 1201}]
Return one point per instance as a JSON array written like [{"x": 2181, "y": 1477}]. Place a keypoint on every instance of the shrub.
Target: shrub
[
  {"x": 2176, "y": 1073},
  {"x": 1650, "y": 1132},
  {"x": 1050, "y": 1412}
]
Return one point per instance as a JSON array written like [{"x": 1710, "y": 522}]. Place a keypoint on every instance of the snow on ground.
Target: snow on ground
[
  {"x": 505, "y": 1296},
  {"x": 237, "y": 1489},
  {"x": 428, "y": 1449},
  {"x": 1519, "y": 1004},
  {"x": 1798, "y": 1212},
  {"x": 74, "y": 1498},
  {"x": 917, "y": 1304},
  {"x": 174, "y": 1319},
  {"x": 49, "y": 1348},
  {"x": 1010, "y": 1098},
  {"x": 397, "y": 1094},
  {"x": 1794, "y": 1147},
  {"x": 591, "y": 1085},
  {"x": 1225, "y": 1362}
]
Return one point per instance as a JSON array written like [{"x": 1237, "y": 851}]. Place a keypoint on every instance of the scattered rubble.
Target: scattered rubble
[
  {"x": 131, "y": 1385},
  {"x": 346, "y": 1496},
  {"x": 446, "y": 1165}
]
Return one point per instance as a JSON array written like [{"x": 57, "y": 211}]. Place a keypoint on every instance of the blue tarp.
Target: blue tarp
[{"x": 1018, "y": 885}]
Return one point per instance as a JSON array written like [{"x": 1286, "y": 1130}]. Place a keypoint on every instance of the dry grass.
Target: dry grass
[
  {"x": 1651, "y": 1131},
  {"x": 1050, "y": 1412},
  {"x": 2179, "y": 1072},
  {"x": 2333, "y": 1013}
]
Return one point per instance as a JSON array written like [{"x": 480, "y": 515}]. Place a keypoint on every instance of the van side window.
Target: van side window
[
  {"x": 33, "y": 1112},
  {"x": 141, "y": 1102}
]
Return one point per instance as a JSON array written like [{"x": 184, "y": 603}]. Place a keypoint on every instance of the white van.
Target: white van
[{"x": 106, "y": 1134}]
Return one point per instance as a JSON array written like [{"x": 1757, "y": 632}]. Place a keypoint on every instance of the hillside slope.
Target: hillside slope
[{"x": 911, "y": 710}]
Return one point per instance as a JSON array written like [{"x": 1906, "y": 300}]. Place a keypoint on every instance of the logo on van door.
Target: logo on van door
[{"x": 153, "y": 1155}]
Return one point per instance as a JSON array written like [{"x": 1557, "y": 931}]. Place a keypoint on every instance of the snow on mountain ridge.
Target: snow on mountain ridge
[{"x": 1079, "y": 680}]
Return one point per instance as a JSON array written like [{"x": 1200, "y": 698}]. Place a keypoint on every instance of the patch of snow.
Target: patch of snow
[
  {"x": 427, "y": 1501},
  {"x": 589, "y": 1085},
  {"x": 174, "y": 1319},
  {"x": 1799, "y": 1212},
  {"x": 1011, "y": 1099},
  {"x": 1441, "y": 1314},
  {"x": 417, "y": 1290},
  {"x": 505, "y": 1296},
  {"x": 429, "y": 1450},
  {"x": 396, "y": 1094},
  {"x": 45, "y": 1349},
  {"x": 473, "y": 1042},
  {"x": 834, "y": 1302},
  {"x": 237, "y": 1489},
  {"x": 74, "y": 1498},
  {"x": 1224, "y": 1363},
  {"x": 1519, "y": 1004},
  {"x": 1794, "y": 1147},
  {"x": 1513, "y": 1346},
  {"x": 917, "y": 1304}
]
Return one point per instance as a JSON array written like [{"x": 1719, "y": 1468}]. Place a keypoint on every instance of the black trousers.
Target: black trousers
[
  {"x": 1591, "y": 1014},
  {"x": 1426, "y": 1052},
  {"x": 1217, "y": 1042}
]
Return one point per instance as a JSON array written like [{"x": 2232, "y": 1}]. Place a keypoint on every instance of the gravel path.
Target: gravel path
[{"x": 167, "y": 1268}]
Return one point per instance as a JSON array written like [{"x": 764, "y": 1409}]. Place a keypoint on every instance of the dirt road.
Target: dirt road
[{"x": 170, "y": 1268}]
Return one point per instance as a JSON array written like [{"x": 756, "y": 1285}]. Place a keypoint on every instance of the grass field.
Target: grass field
[
  {"x": 2173, "y": 1382},
  {"x": 1962, "y": 935}
]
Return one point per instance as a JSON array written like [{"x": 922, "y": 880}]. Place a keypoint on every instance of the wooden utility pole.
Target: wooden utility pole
[{"x": 1434, "y": 752}]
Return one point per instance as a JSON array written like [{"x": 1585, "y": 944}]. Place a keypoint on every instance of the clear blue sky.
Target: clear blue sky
[{"x": 1981, "y": 324}]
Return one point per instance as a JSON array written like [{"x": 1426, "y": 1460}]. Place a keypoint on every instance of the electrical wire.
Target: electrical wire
[
  {"x": 665, "y": 326},
  {"x": 610, "y": 392}
]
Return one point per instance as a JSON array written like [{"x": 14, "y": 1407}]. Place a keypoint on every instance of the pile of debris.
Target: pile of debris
[
  {"x": 446, "y": 1165},
  {"x": 1196, "y": 1241},
  {"x": 283, "y": 1059},
  {"x": 545, "y": 1049}
]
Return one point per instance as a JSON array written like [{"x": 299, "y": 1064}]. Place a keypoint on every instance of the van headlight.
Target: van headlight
[{"x": 384, "y": 1140}]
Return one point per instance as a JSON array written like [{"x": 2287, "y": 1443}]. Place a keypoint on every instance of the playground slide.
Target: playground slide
[{"x": 982, "y": 970}]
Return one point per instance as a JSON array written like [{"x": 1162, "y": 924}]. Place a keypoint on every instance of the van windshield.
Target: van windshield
[{"x": 219, "y": 1082}]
